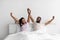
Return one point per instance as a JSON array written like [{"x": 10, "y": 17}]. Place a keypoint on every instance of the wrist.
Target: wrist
[{"x": 11, "y": 16}]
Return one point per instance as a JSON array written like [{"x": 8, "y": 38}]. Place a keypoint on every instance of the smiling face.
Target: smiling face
[
  {"x": 38, "y": 19},
  {"x": 23, "y": 21}
]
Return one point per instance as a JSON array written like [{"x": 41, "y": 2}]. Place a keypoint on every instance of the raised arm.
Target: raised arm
[
  {"x": 48, "y": 22},
  {"x": 31, "y": 18},
  {"x": 28, "y": 20},
  {"x": 28, "y": 10},
  {"x": 15, "y": 19},
  {"x": 29, "y": 15}
]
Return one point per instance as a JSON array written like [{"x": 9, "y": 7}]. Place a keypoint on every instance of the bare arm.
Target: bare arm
[
  {"x": 29, "y": 16},
  {"x": 15, "y": 19},
  {"x": 48, "y": 22},
  {"x": 28, "y": 20}
]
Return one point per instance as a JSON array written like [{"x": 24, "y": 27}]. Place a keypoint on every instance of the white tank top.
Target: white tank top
[
  {"x": 40, "y": 27},
  {"x": 25, "y": 27}
]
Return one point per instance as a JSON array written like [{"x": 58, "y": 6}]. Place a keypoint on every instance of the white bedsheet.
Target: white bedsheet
[{"x": 36, "y": 35}]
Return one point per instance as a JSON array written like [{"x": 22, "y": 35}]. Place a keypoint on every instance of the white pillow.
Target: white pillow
[{"x": 14, "y": 28}]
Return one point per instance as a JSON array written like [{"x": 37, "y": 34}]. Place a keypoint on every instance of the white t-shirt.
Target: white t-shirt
[
  {"x": 40, "y": 27},
  {"x": 25, "y": 27}
]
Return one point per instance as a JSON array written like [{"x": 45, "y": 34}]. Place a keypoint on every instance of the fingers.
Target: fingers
[
  {"x": 29, "y": 11},
  {"x": 11, "y": 13},
  {"x": 53, "y": 17}
]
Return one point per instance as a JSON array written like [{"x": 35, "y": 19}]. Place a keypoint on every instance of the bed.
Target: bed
[{"x": 33, "y": 35}]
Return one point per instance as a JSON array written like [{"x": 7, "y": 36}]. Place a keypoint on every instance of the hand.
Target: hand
[
  {"x": 53, "y": 17},
  {"x": 29, "y": 11},
  {"x": 11, "y": 13}
]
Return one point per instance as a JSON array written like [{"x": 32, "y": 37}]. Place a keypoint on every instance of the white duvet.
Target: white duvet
[
  {"x": 36, "y": 35},
  {"x": 41, "y": 34}
]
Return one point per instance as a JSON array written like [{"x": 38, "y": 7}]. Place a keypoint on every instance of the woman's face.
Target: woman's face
[{"x": 23, "y": 21}]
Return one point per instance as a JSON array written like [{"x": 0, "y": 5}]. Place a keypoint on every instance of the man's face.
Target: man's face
[{"x": 38, "y": 19}]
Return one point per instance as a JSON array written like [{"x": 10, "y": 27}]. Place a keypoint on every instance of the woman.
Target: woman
[{"x": 22, "y": 22}]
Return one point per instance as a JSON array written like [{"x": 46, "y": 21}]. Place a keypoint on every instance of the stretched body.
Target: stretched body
[
  {"x": 38, "y": 20},
  {"x": 22, "y": 22}
]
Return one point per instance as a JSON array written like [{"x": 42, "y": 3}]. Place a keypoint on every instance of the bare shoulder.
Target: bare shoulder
[{"x": 17, "y": 21}]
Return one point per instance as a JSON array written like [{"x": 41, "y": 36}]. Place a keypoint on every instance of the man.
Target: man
[{"x": 37, "y": 25}]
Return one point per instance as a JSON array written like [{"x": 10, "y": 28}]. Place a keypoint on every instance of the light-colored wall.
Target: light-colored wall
[{"x": 44, "y": 8}]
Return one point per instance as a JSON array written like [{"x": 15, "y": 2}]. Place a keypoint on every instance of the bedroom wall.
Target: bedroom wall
[{"x": 44, "y": 8}]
